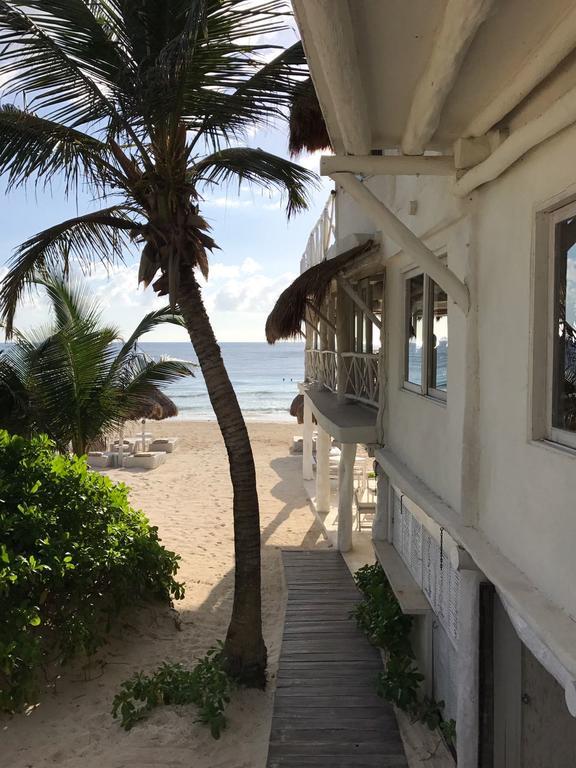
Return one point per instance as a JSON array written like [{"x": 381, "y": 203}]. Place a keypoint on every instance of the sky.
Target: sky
[{"x": 259, "y": 251}]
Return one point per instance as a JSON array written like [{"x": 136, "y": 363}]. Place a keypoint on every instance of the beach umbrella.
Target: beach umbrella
[
  {"x": 156, "y": 406},
  {"x": 297, "y": 408}
]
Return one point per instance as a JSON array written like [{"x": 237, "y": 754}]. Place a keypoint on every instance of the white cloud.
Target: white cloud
[
  {"x": 237, "y": 296},
  {"x": 250, "y": 265},
  {"x": 253, "y": 293}
]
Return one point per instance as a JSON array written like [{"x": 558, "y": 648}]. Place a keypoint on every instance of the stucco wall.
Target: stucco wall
[{"x": 477, "y": 447}]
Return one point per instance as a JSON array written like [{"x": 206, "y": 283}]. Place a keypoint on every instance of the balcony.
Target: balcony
[
  {"x": 359, "y": 373},
  {"x": 320, "y": 239}
]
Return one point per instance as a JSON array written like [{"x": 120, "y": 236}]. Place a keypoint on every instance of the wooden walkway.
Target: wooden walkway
[{"x": 326, "y": 711}]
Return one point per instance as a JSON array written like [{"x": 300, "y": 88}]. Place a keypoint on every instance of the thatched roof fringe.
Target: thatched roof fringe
[
  {"x": 156, "y": 406},
  {"x": 285, "y": 320},
  {"x": 307, "y": 126}
]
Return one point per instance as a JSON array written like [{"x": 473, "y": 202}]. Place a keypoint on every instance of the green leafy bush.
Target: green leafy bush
[
  {"x": 72, "y": 554},
  {"x": 207, "y": 686},
  {"x": 380, "y": 617}
]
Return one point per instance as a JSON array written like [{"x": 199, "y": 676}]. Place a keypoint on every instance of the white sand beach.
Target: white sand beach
[{"x": 189, "y": 498}]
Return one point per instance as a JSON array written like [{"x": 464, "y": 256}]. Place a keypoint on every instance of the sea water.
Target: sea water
[{"x": 264, "y": 377}]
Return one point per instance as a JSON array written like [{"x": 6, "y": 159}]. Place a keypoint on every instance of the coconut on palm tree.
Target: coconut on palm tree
[
  {"x": 77, "y": 381},
  {"x": 145, "y": 103}
]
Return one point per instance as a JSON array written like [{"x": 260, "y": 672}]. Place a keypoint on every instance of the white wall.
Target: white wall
[{"x": 476, "y": 450}]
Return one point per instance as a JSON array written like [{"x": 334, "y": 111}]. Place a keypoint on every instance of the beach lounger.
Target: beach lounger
[
  {"x": 99, "y": 459},
  {"x": 145, "y": 460},
  {"x": 164, "y": 444}
]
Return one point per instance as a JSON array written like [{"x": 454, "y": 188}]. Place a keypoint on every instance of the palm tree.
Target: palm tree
[
  {"x": 145, "y": 102},
  {"x": 78, "y": 381}
]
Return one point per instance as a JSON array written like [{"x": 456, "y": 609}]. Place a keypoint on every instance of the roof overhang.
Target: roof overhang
[
  {"x": 424, "y": 77},
  {"x": 309, "y": 290}
]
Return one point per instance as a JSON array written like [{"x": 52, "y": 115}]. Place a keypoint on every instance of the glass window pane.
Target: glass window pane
[
  {"x": 439, "y": 339},
  {"x": 564, "y": 394},
  {"x": 415, "y": 329}
]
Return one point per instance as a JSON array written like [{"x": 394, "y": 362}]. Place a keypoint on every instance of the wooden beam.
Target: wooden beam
[
  {"x": 459, "y": 25},
  {"x": 328, "y": 35},
  {"x": 321, "y": 316},
  {"x": 406, "y": 239},
  {"x": 347, "y": 288},
  {"x": 541, "y": 61},
  {"x": 471, "y": 152},
  {"x": 389, "y": 165},
  {"x": 557, "y": 117}
]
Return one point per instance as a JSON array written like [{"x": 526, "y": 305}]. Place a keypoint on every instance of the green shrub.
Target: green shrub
[
  {"x": 207, "y": 686},
  {"x": 72, "y": 554},
  {"x": 380, "y": 617}
]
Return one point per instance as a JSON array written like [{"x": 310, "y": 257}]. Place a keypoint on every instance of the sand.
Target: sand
[{"x": 190, "y": 500}]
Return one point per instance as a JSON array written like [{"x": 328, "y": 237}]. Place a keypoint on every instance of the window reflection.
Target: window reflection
[
  {"x": 415, "y": 335},
  {"x": 564, "y": 391},
  {"x": 439, "y": 339}
]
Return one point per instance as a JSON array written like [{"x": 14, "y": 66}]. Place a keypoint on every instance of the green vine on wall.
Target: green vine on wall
[{"x": 380, "y": 617}]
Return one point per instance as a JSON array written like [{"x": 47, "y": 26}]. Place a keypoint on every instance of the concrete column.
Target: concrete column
[
  {"x": 467, "y": 723},
  {"x": 346, "y": 496},
  {"x": 322, "y": 471},
  {"x": 307, "y": 463},
  {"x": 380, "y": 526}
]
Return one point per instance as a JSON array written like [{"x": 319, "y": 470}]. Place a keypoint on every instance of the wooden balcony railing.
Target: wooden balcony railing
[
  {"x": 361, "y": 376},
  {"x": 359, "y": 371},
  {"x": 320, "y": 239},
  {"x": 321, "y": 367}
]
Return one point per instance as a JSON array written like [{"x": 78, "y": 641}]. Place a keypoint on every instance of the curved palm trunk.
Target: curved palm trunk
[{"x": 244, "y": 648}]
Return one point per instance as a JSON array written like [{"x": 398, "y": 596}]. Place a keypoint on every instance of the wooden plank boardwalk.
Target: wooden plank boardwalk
[{"x": 326, "y": 711}]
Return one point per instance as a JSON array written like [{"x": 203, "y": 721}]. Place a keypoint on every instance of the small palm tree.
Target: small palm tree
[
  {"x": 77, "y": 381},
  {"x": 145, "y": 102}
]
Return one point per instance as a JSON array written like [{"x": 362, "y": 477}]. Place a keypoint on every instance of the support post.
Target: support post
[
  {"x": 343, "y": 342},
  {"x": 322, "y": 471},
  {"x": 467, "y": 708},
  {"x": 307, "y": 464},
  {"x": 380, "y": 526},
  {"x": 382, "y": 373},
  {"x": 346, "y": 496},
  {"x": 396, "y": 229}
]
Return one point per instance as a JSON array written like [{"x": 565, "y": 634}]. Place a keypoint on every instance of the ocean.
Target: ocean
[{"x": 264, "y": 377}]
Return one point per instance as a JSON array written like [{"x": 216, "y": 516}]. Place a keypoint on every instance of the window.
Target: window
[
  {"x": 562, "y": 340},
  {"x": 426, "y": 345}
]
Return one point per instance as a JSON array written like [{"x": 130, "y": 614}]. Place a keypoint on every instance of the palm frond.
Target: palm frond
[
  {"x": 148, "y": 323},
  {"x": 101, "y": 234},
  {"x": 55, "y": 54},
  {"x": 142, "y": 376},
  {"x": 32, "y": 147},
  {"x": 70, "y": 301},
  {"x": 261, "y": 168},
  {"x": 256, "y": 93}
]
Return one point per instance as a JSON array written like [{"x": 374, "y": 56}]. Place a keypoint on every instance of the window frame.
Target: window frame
[
  {"x": 554, "y": 217},
  {"x": 424, "y": 388}
]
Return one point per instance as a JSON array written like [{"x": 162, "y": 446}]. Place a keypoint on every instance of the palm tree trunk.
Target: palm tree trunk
[{"x": 244, "y": 648}]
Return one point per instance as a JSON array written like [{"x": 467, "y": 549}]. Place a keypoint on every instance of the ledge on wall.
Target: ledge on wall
[{"x": 411, "y": 598}]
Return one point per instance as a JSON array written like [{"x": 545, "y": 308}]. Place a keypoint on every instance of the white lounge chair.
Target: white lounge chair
[
  {"x": 164, "y": 444},
  {"x": 145, "y": 460},
  {"x": 99, "y": 459}
]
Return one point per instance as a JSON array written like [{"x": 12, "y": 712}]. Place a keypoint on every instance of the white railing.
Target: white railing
[
  {"x": 361, "y": 376},
  {"x": 322, "y": 368},
  {"x": 361, "y": 380},
  {"x": 320, "y": 239}
]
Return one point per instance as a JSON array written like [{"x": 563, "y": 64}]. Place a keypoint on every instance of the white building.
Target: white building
[{"x": 453, "y": 124}]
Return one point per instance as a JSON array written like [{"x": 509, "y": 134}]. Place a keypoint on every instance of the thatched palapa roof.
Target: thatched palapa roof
[
  {"x": 310, "y": 288},
  {"x": 307, "y": 126},
  {"x": 157, "y": 406}
]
